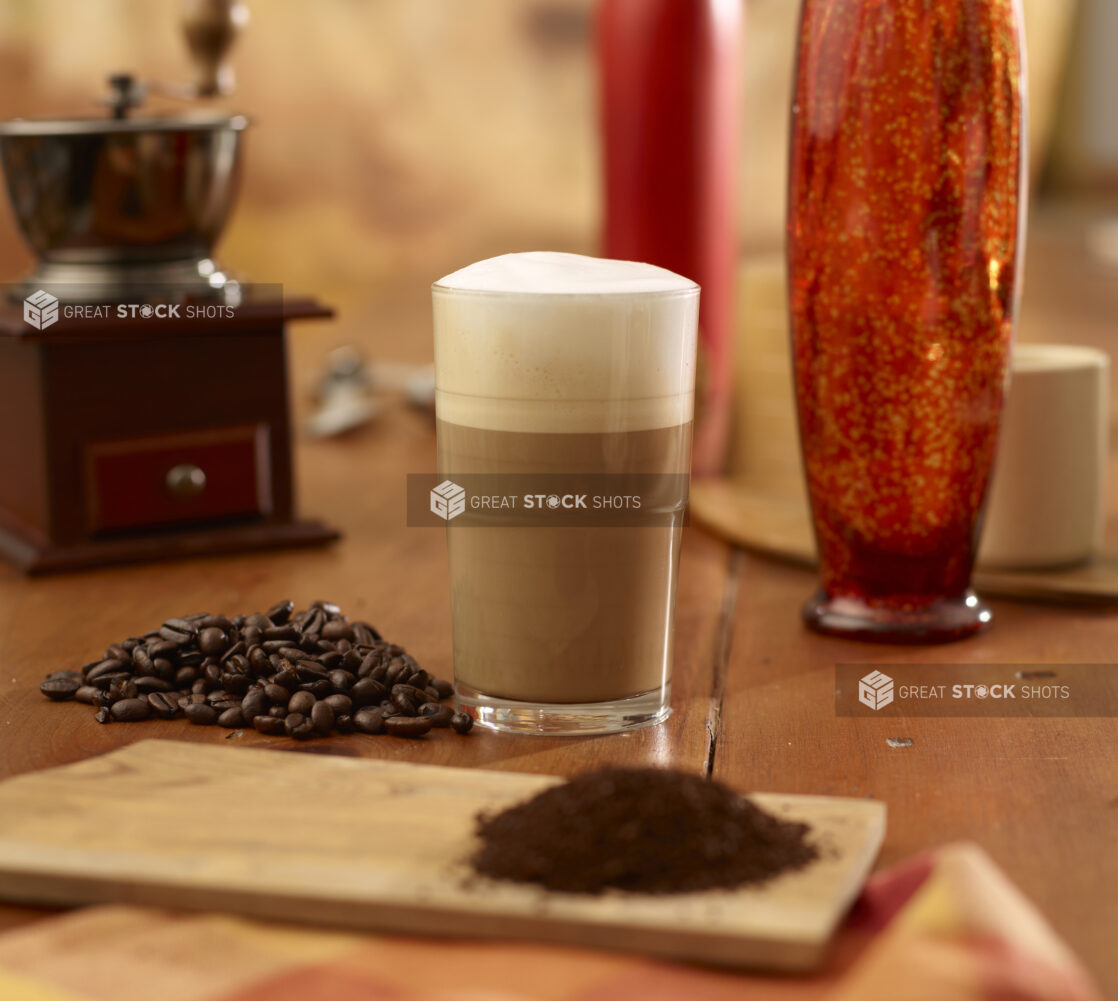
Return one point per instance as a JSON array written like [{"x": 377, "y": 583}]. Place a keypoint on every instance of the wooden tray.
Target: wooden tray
[
  {"x": 382, "y": 845},
  {"x": 778, "y": 525}
]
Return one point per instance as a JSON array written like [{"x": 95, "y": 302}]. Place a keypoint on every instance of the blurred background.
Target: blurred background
[{"x": 396, "y": 140}]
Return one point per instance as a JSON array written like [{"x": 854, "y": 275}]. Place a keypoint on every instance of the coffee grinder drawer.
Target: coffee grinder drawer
[{"x": 205, "y": 475}]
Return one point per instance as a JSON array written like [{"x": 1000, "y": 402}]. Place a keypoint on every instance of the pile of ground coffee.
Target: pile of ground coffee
[
  {"x": 284, "y": 673},
  {"x": 642, "y": 830}
]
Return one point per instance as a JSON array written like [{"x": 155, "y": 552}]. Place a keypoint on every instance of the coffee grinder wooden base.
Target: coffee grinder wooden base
[{"x": 147, "y": 438}]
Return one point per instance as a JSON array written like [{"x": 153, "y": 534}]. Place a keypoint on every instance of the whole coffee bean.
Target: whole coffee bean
[
  {"x": 341, "y": 704},
  {"x": 131, "y": 710},
  {"x": 105, "y": 681},
  {"x": 149, "y": 684},
  {"x": 201, "y": 686},
  {"x": 236, "y": 684},
  {"x": 60, "y": 689},
  {"x": 193, "y": 699},
  {"x": 319, "y": 689},
  {"x": 414, "y": 697},
  {"x": 117, "y": 652},
  {"x": 163, "y": 668},
  {"x": 337, "y": 630},
  {"x": 432, "y": 693},
  {"x": 276, "y": 694},
  {"x": 367, "y": 692},
  {"x": 279, "y": 712},
  {"x": 312, "y": 625},
  {"x": 124, "y": 688},
  {"x": 280, "y": 612},
  {"x": 104, "y": 715},
  {"x": 88, "y": 694},
  {"x": 259, "y": 662},
  {"x": 308, "y": 670},
  {"x": 364, "y": 633},
  {"x": 419, "y": 679},
  {"x": 342, "y": 680},
  {"x": 212, "y": 641},
  {"x": 236, "y": 650},
  {"x": 352, "y": 660},
  {"x": 179, "y": 626},
  {"x": 298, "y": 726},
  {"x": 201, "y": 715},
  {"x": 254, "y": 704},
  {"x": 343, "y": 723},
  {"x": 231, "y": 718},
  {"x": 214, "y": 622},
  {"x": 444, "y": 688},
  {"x": 269, "y": 725},
  {"x": 286, "y": 678},
  {"x": 439, "y": 715},
  {"x": 369, "y": 721},
  {"x": 104, "y": 668},
  {"x": 392, "y": 675},
  {"x": 407, "y": 726},
  {"x": 163, "y": 705},
  {"x": 370, "y": 660},
  {"x": 461, "y": 722},
  {"x": 301, "y": 702},
  {"x": 405, "y": 704},
  {"x": 322, "y": 716}
]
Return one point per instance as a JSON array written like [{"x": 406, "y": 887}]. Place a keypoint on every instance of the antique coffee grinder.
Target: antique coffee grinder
[{"x": 143, "y": 391}]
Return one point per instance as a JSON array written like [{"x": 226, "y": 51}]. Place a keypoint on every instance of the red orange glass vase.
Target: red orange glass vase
[{"x": 905, "y": 230}]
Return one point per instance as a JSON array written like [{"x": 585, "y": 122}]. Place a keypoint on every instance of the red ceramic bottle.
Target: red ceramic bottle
[{"x": 905, "y": 231}]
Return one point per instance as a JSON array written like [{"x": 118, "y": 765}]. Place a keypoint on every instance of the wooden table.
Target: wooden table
[{"x": 753, "y": 692}]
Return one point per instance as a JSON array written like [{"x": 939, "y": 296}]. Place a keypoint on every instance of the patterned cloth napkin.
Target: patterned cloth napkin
[{"x": 947, "y": 926}]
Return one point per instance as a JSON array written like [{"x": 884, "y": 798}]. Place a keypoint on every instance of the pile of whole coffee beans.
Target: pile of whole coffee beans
[{"x": 284, "y": 673}]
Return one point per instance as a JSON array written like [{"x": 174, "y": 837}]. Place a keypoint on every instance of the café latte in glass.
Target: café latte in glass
[{"x": 562, "y": 366}]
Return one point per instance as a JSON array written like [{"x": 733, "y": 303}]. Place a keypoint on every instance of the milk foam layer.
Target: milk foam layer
[{"x": 547, "y": 342}]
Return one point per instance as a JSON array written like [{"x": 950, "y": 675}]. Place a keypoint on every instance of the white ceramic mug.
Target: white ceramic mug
[{"x": 1047, "y": 498}]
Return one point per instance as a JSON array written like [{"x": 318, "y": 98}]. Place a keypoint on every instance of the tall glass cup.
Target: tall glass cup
[{"x": 556, "y": 365}]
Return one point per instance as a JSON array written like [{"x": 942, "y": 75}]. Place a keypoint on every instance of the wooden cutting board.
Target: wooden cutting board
[
  {"x": 778, "y": 525},
  {"x": 382, "y": 846}
]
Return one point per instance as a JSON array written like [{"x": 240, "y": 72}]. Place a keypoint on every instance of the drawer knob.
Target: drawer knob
[{"x": 185, "y": 481}]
